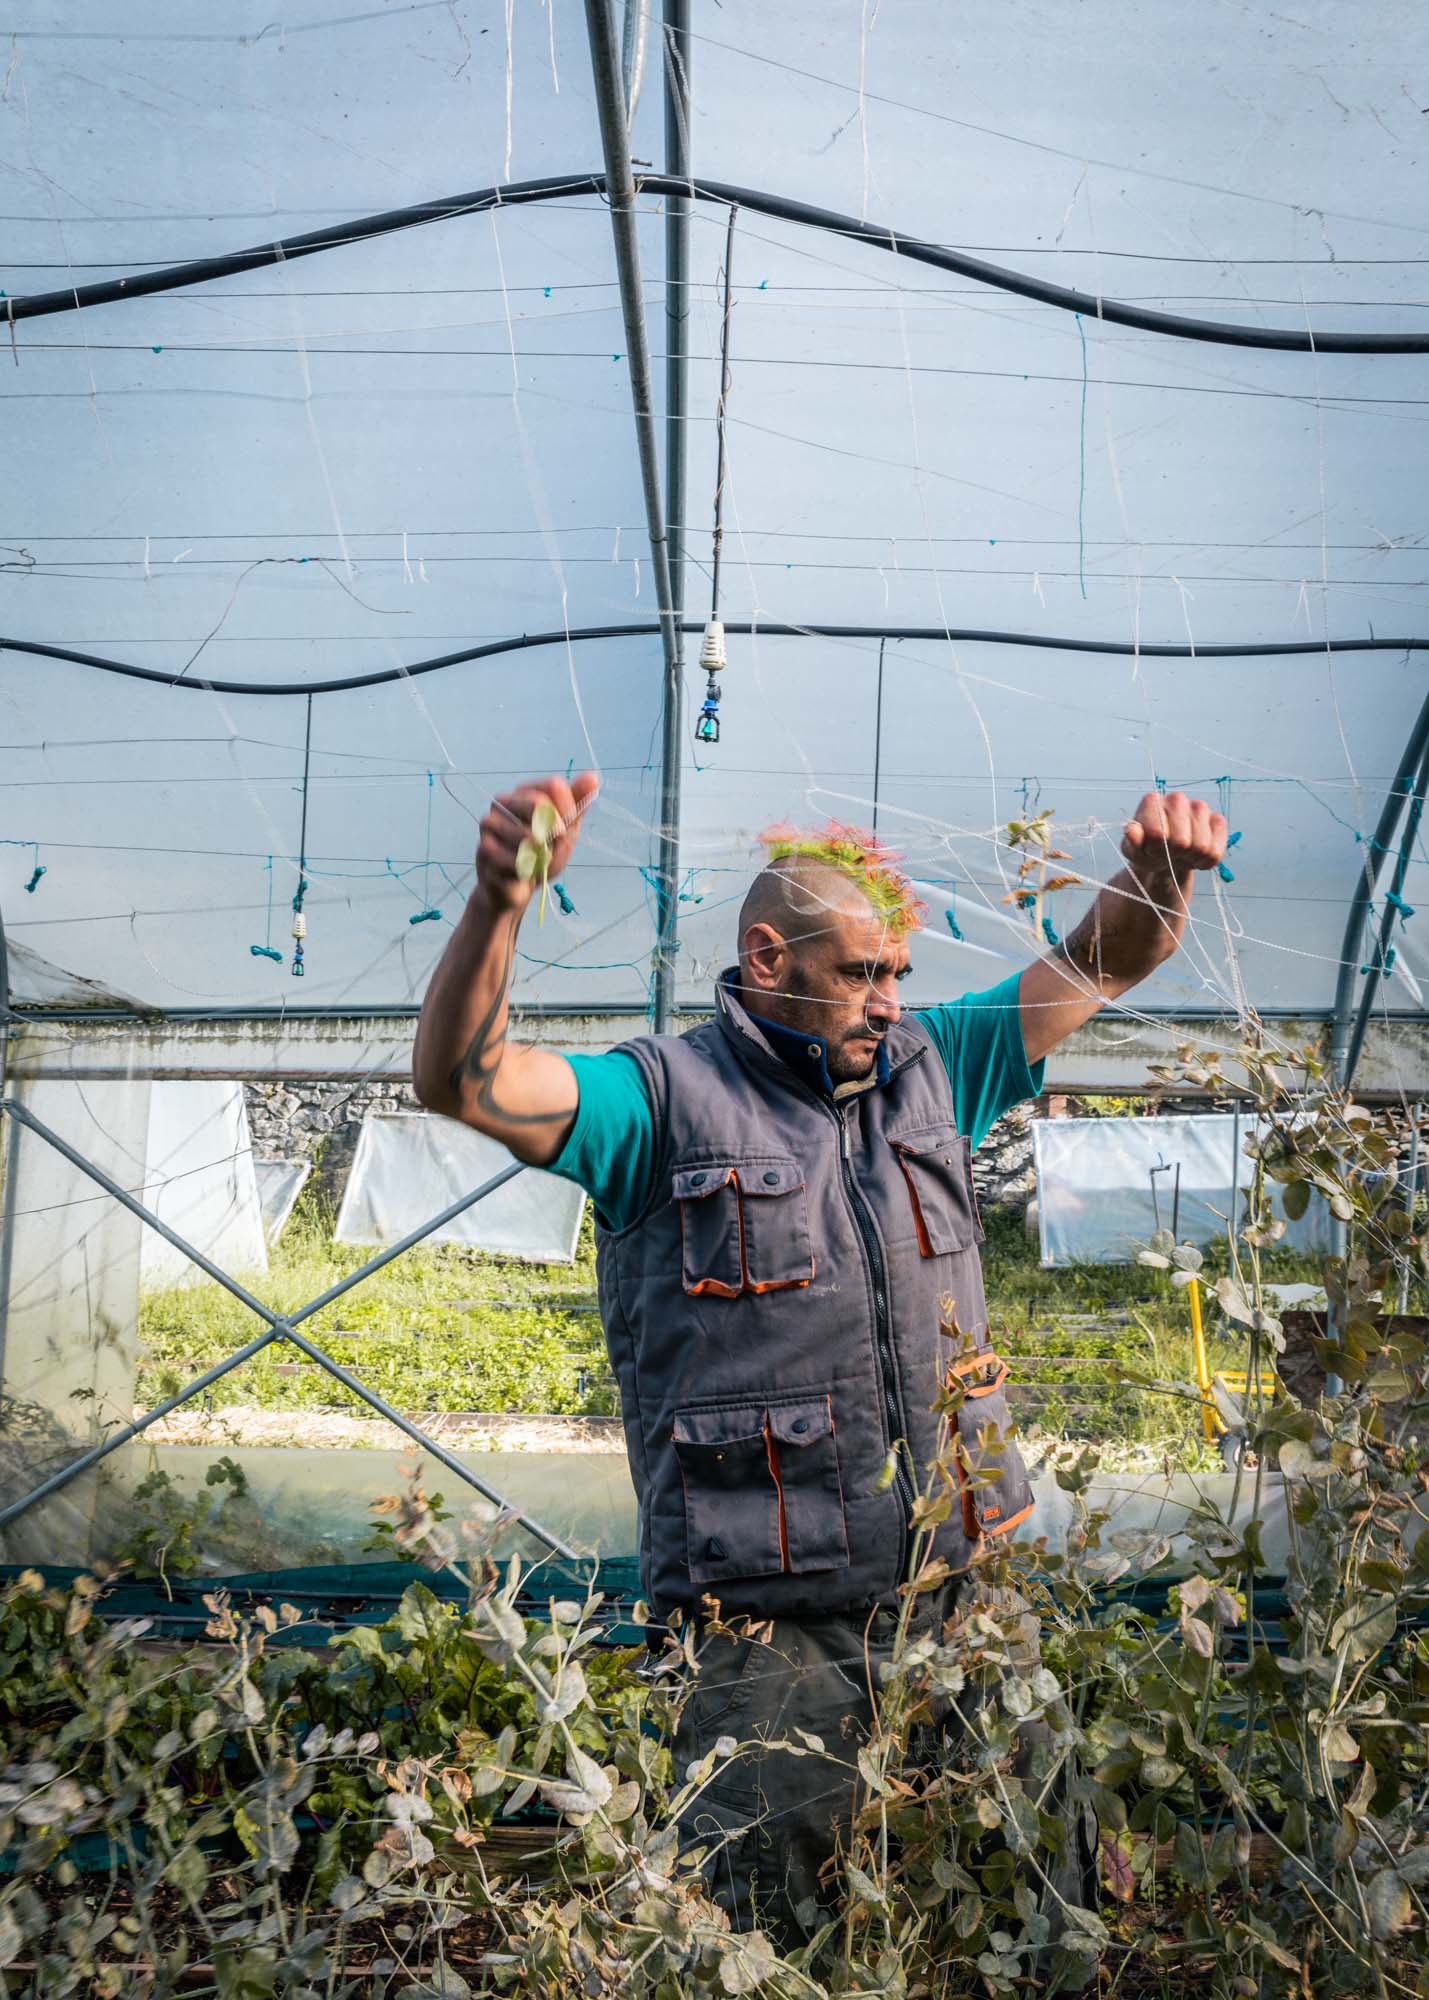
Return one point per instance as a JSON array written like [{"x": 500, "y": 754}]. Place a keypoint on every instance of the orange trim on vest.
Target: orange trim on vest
[
  {"x": 771, "y": 1453},
  {"x": 1012, "y": 1519},
  {"x": 925, "y": 1247},
  {"x": 972, "y": 1390}
]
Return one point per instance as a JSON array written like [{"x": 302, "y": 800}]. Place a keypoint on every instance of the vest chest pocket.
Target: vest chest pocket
[
  {"x": 744, "y": 1226},
  {"x": 938, "y": 1170},
  {"x": 763, "y": 1494}
]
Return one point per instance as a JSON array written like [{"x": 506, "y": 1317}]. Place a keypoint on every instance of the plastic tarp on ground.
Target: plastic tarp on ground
[
  {"x": 1095, "y": 1203},
  {"x": 408, "y": 1168}
]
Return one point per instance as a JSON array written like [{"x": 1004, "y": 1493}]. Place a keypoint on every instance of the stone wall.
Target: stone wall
[{"x": 319, "y": 1121}]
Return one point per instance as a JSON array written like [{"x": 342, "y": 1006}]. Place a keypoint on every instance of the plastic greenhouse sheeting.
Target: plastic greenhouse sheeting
[
  {"x": 280, "y": 1182},
  {"x": 401, "y": 447},
  {"x": 199, "y": 1179},
  {"x": 1094, "y": 1186},
  {"x": 409, "y": 1167}
]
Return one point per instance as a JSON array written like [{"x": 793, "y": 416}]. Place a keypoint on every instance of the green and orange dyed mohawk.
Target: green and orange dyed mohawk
[{"x": 862, "y": 857}]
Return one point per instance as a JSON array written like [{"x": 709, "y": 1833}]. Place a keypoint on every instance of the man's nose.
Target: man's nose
[{"x": 883, "y": 1005}]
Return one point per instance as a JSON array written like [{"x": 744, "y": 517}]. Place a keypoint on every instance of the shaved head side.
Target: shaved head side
[{"x": 800, "y": 899}]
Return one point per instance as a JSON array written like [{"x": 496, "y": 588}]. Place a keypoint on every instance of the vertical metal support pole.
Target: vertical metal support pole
[
  {"x": 620, "y": 186},
  {"x": 878, "y": 733},
  {"x": 676, "y": 65}
]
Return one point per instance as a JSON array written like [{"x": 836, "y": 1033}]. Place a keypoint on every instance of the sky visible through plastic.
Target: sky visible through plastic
[{"x": 420, "y": 443}]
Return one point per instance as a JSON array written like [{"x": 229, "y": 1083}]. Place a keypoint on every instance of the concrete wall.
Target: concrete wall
[{"x": 1113, "y": 1053}]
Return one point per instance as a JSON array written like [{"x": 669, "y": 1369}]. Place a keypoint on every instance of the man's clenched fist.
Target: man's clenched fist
[
  {"x": 507, "y": 822},
  {"x": 1172, "y": 836}
]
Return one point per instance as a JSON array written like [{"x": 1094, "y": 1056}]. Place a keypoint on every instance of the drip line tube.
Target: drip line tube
[
  {"x": 771, "y": 629},
  {"x": 559, "y": 187}
]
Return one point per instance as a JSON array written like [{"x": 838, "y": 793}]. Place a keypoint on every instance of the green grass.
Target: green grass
[{"x": 448, "y": 1329}]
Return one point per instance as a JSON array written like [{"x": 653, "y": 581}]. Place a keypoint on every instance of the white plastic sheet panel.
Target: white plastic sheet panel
[
  {"x": 408, "y": 1168},
  {"x": 1094, "y": 1199},
  {"x": 280, "y": 1182},
  {"x": 198, "y": 1177},
  {"x": 409, "y": 445}
]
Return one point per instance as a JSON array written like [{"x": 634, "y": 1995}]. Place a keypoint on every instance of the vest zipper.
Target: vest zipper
[{"x": 902, "y": 1479}]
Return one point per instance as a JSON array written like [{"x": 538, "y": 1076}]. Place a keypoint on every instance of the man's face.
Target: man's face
[{"x": 838, "y": 977}]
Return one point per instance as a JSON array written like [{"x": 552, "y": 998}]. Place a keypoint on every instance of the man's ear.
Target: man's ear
[{"x": 763, "y": 952}]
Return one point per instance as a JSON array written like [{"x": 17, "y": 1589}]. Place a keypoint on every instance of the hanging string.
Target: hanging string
[
  {"x": 951, "y": 913},
  {"x": 558, "y": 889},
  {"x": 265, "y": 950},
  {"x": 1223, "y": 788},
  {"x": 429, "y": 913},
  {"x": 300, "y": 921},
  {"x": 712, "y": 649},
  {"x": 38, "y": 868}
]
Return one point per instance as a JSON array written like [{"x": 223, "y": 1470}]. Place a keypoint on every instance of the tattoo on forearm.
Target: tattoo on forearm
[
  {"x": 1082, "y": 946},
  {"x": 481, "y": 1064}
]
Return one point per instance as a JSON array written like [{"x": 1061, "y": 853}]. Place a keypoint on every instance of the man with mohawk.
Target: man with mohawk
[{"x": 788, "y": 1271}]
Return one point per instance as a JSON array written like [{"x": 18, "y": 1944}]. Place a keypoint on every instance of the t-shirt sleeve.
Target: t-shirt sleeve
[
  {"x": 980, "y": 1040},
  {"x": 611, "y": 1148}
]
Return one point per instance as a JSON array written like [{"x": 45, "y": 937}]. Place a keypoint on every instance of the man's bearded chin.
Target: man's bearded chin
[{"x": 848, "y": 1063}]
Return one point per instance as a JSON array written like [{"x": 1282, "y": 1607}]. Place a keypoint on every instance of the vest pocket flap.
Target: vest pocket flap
[
  {"x": 737, "y": 1244},
  {"x": 802, "y": 1423},
  {"x": 720, "y": 1427},
  {"x": 695, "y": 1183},
  {"x": 938, "y": 1170},
  {"x": 732, "y": 1505},
  {"x": 725, "y": 1463},
  {"x": 770, "y": 1177}
]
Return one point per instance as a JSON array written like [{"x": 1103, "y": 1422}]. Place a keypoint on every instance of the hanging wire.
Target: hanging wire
[
  {"x": 300, "y": 921},
  {"x": 712, "y": 651},
  {"x": 265, "y": 950},
  {"x": 429, "y": 913}
]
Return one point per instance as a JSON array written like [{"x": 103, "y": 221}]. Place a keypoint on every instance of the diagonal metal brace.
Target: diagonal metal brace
[{"x": 279, "y": 1327}]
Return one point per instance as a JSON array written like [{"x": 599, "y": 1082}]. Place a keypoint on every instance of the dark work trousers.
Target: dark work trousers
[{"x": 771, "y": 1820}]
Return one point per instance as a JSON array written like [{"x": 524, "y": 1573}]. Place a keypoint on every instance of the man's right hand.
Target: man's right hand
[{"x": 507, "y": 823}]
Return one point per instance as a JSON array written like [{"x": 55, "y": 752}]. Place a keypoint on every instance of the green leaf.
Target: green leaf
[
  {"x": 1296, "y": 1199},
  {"x": 1388, "y": 1902},
  {"x": 1364, "y": 1627},
  {"x": 1340, "y": 1746}
]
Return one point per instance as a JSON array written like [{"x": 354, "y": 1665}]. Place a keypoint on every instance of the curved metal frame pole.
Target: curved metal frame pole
[
  {"x": 1376, "y": 851},
  {"x": 279, "y": 1327},
  {"x": 12, "y": 1154},
  {"x": 1352, "y": 945},
  {"x": 1378, "y": 966},
  {"x": 620, "y": 184}
]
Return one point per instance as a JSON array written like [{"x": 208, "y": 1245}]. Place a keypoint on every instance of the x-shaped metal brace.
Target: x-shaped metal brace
[{"x": 278, "y": 1326}]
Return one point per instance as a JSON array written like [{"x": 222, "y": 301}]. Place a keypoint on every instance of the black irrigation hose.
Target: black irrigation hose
[
  {"x": 174, "y": 277},
  {"x": 937, "y": 634}
]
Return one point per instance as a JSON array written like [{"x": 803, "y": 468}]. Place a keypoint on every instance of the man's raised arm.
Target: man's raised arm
[
  {"x": 463, "y": 1063},
  {"x": 1136, "y": 922}
]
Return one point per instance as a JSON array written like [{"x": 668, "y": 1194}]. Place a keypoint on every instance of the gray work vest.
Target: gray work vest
[{"x": 773, "y": 1321}]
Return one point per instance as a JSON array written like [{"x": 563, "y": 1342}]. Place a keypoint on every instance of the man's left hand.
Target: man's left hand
[{"x": 1172, "y": 836}]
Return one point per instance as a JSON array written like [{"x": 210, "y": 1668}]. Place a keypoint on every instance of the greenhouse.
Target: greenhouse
[{"x": 724, "y": 371}]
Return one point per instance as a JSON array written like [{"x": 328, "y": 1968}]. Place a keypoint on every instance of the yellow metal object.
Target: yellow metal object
[
  {"x": 1234, "y": 1382},
  {"x": 1211, "y": 1424}
]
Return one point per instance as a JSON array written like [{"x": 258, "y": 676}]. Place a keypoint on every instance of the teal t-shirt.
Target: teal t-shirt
[{"x": 611, "y": 1148}]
